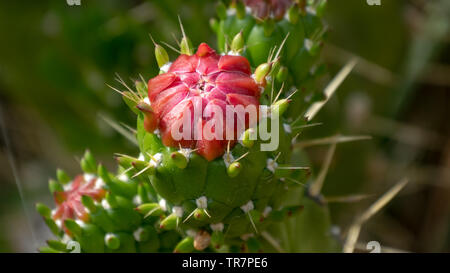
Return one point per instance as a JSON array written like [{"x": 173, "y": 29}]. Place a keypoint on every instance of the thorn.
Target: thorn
[
  {"x": 151, "y": 38},
  {"x": 171, "y": 47},
  {"x": 279, "y": 93},
  {"x": 241, "y": 157},
  {"x": 316, "y": 186},
  {"x": 292, "y": 94},
  {"x": 189, "y": 216},
  {"x": 331, "y": 88},
  {"x": 306, "y": 125},
  {"x": 181, "y": 26},
  {"x": 331, "y": 140},
  {"x": 293, "y": 168},
  {"x": 252, "y": 222},
  {"x": 296, "y": 181},
  {"x": 119, "y": 129},
  {"x": 282, "y": 45},
  {"x": 144, "y": 81},
  {"x": 355, "y": 228},
  {"x": 142, "y": 171}
]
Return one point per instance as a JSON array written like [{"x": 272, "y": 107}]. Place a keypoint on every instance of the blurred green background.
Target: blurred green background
[{"x": 56, "y": 59}]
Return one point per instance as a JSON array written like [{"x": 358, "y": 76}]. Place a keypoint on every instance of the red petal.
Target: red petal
[
  {"x": 175, "y": 118},
  {"x": 160, "y": 83},
  {"x": 166, "y": 100},
  {"x": 244, "y": 100},
  {"x": 204, "y": 50},
  {"x": 209, "y": 149},
  {"x": 77, "y": 182},
  {"x": 190, "y": 79},
  {"x": 216, "y": 93},
  {"x": 79, "y": 210},
  {"x": 208, "y": 65},
  {"x": 234, "y": 82},
  {"x": 184, "y": 63},
  {"x": 235, "y": 63}
]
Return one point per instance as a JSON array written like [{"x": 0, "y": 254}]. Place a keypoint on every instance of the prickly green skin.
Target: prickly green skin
[
  {"x": 121, "y": 219},
  {"x": 310, "y": 230},
  {"x": 225, "y": 194}
]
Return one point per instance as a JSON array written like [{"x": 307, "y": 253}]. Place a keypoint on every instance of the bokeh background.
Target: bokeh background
[{"x": 56, "y": 59}]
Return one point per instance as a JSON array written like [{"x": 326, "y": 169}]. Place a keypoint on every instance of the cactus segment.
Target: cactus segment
[{"x": 188, "y": 194}]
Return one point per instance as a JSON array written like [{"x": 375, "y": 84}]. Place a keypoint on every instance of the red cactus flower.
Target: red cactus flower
[
  {"x": 265, "y": 8},
  {"x": 203, "y": 81},
  {"x": 68, "y": 202}
]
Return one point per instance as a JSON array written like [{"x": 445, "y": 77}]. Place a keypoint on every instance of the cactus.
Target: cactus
[{"x": 226, "y": 193}]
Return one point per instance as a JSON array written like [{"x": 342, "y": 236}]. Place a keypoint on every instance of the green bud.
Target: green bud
[
  {"x": 282, "y": 74},
  {"x": 43, "y": 210},
  {"x": 62, "y": 176},
  {"x": 280, "y": 107},
  {"x": 143, "y": 167},
  {"x": 237, "y": 45},
  {"x": 161, "y": 55},
  {"x": 125, "y": 161},
  {"x": 141, "y": 234},
  {"x": 55, "y": 186},
  {"x": 112, "y": 241},
  {"x": 127, "y": 243},
  {"x": 111, "y": 199},
  {"x": 170, "y": 222},
  {"x": 248, "y": 138},
  {"x": 185, "y": 246},
  {"x": 88, "y": 202},
  {"x": 262, "y": 71},
  {"x": 234, "y": 169},
  {"x": 200, "y": 214},
  {"x": 221, "y": 10},
  {"x": 150, "y": 209},
  {"x": 88, "y": 163},
  {"x": 179, "y": 160},
  {"x": 217, "y": 239},
  {"x": 115, "y": 185},
  {"x": 131, "y": 103},
  {"x": 52, "y": 226},
  {"x": 73, "y": 227},
  {"x": 186, "y": 46},
  {"x": 141, "y": 88}
]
